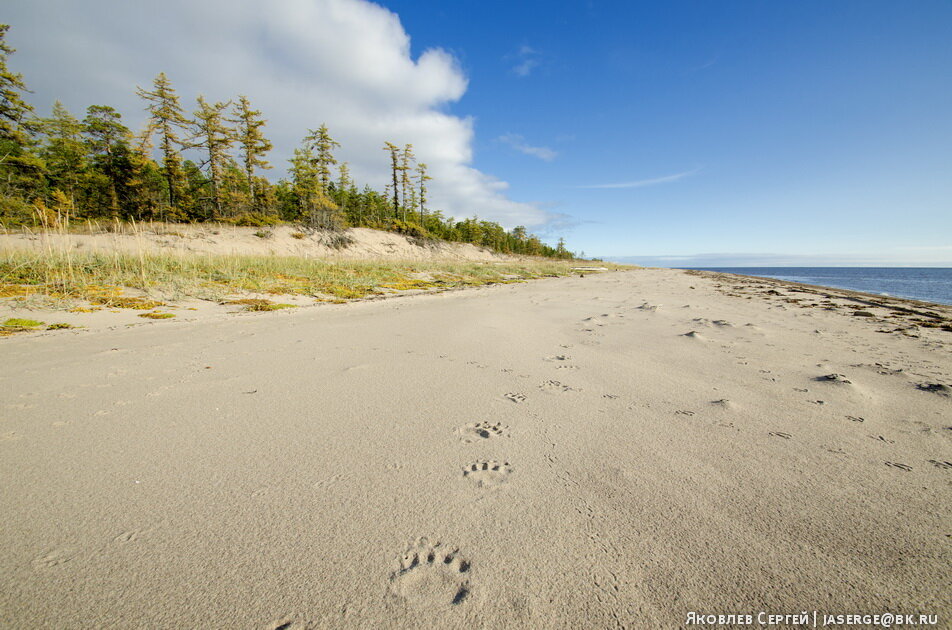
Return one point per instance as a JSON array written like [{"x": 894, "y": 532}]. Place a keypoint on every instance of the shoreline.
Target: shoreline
[
  {"x": 942, "y": 313},
  {"x": 829, "y": 288},
  {"x": 619, "y": 449}
]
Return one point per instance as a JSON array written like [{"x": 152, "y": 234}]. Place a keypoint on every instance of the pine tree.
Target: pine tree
[
  {"x": 322, "y": 146},
  {"x": 168, "y": 119},
  {"x": 254, "y": 146},
  {"x": 395, "y": 168},
  {"x": 212, "y": 135}
]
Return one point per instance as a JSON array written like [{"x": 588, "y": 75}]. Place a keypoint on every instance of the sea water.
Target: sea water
[{"x": 932, "y": 284}]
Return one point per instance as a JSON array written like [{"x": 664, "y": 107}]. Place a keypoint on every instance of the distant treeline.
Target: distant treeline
[{"x": 97, "y": 168}]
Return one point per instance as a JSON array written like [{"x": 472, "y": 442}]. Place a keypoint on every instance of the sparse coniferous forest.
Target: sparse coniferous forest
[{"x": 95, "y": 167}]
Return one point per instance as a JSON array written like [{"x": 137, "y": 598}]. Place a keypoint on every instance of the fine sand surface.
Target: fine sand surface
[{"x": 609, "y": 451}]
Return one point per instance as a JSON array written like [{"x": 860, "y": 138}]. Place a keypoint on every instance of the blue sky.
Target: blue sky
[
  {"x": 800, "y": 128},
  {"x": 669, "y": 132}
]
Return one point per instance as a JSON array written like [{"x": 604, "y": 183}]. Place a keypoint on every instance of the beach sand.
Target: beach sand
[{"x": 610, "y": 451}]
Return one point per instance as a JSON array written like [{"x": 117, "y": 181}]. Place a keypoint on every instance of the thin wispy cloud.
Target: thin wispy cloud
[
  {"x": 518, "y": 143},
  {"x": 710, "y": 62},
  {"x": 526, "y": 59},
  {"x": 641, "y": 183}
]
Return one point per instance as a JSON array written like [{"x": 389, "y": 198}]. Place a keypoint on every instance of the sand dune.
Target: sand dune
[
  {"x": 218, "y": 239},
  {"x": 546, "y": 455}
]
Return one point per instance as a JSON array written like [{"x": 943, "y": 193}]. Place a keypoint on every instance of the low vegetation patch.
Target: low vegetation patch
[
  {"x": 157, "y": 315},
  {"x": 16, "y": 322},
  {"x": 17, "y": 325},
  {"x": 100, "y": 278},
  {"x": 258, "y": 304}
]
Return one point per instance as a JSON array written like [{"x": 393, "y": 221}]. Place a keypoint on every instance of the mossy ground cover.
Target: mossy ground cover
[{"x": 15, "y": 325}]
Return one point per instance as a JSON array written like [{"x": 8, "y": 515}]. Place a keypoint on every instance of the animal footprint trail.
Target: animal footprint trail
[
  {"x": 487, "y": 474},
  {"x": 780, "y": 434},
  {"x": 515, "y": 397},
  {"x": 482, "y": 431},
  {"x": 431, "y": 576},
  {"x": 941, "y": 464}
]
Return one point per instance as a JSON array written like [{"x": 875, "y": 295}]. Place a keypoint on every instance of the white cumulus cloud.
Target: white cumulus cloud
[{"x": 346, "y": 63}]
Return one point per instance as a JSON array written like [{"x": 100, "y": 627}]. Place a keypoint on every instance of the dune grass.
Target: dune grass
[{"x": 100, "y": 278}]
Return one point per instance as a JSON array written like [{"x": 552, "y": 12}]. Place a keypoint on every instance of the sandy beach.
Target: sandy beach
[{"x": 610, "y": 451}]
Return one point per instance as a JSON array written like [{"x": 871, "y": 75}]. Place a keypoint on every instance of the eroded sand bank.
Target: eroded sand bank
[{"x": 608, "y": 451}]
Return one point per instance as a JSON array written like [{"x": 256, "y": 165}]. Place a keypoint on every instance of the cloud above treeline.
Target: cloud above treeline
[{"x": 346, "y": 63}]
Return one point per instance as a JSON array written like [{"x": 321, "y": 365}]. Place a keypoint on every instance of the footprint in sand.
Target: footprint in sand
[
  {"x": 487, "y": 474},
  {"x": 904, "y": 467},
  {"x": 941, "y": 464},
  {"x": 556, "y": 386},
  {"x": 780, "y": 434},
  {"x": 855, "y": 419},
  {"x": 557, "y": 357},
  {"x": 129, "y": 536},
  {"x": 55, "y": 557},
  {"x": 515, "y": 397},
  {"x": 482, "y": 431},
  {"x": 431, "y": 576}
]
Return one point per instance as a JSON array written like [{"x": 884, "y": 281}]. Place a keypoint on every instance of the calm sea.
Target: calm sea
[{"x": 932, "y": 284}]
